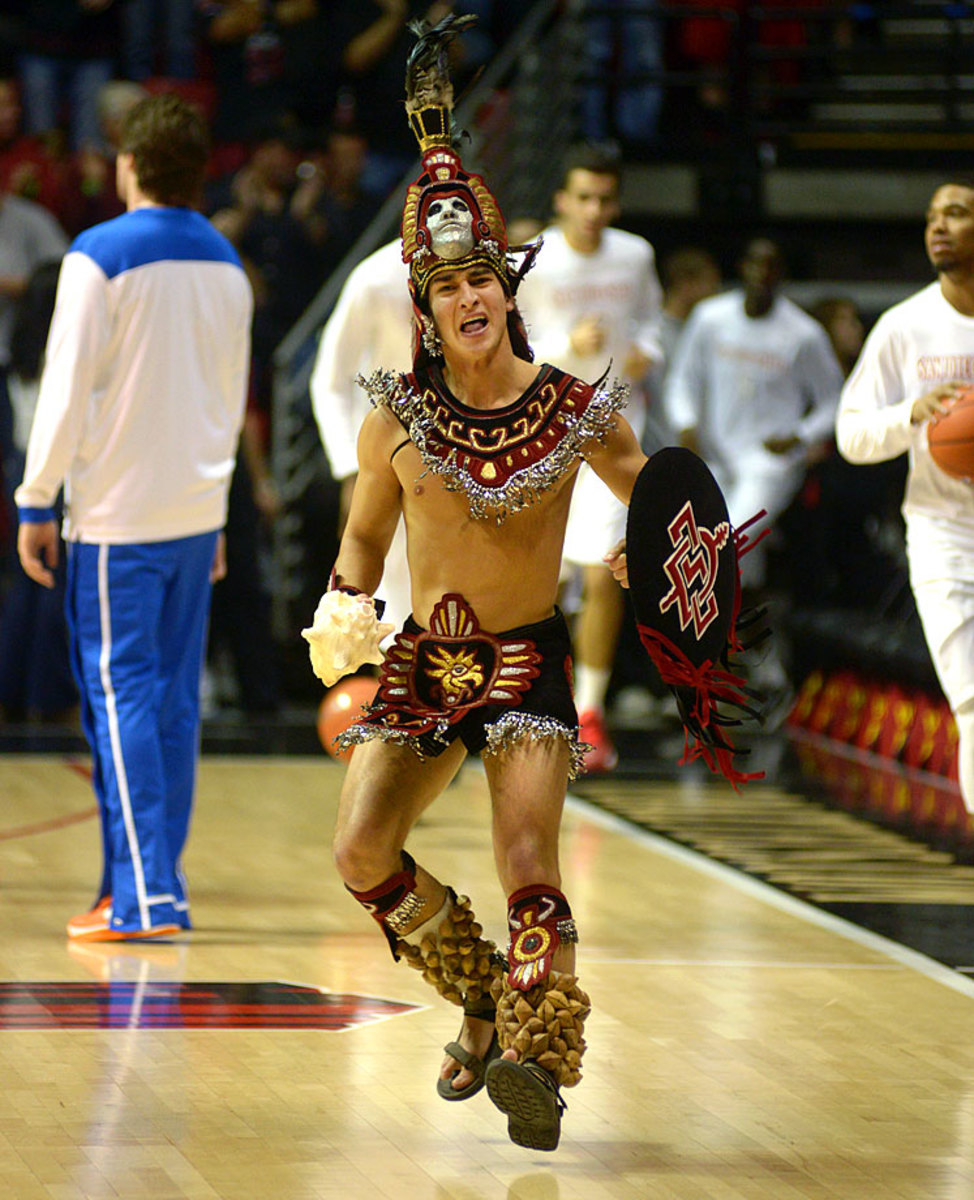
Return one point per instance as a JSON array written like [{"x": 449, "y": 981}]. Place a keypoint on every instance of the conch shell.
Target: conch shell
[{"x": 344, "y": 634}]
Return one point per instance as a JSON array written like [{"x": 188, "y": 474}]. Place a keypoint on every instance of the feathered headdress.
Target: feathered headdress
[{"x": 450, "y": 219}]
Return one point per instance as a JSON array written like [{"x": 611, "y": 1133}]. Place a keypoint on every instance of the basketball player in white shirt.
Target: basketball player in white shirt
[
  {"x": 593, "y": 297},
  {"x": 919, "y": 355},
  {"x": 754, "y": 389}
]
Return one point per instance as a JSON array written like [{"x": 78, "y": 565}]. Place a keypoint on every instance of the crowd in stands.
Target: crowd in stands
[
  {"x": 700, "y": 47},
  {"x": 297, "y": 94}
]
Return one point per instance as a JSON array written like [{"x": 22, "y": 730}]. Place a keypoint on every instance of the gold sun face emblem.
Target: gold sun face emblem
[{"x": 458, "y": 674}]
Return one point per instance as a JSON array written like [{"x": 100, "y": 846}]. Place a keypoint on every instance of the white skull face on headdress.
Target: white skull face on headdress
[{"x": 450, "y": 225}]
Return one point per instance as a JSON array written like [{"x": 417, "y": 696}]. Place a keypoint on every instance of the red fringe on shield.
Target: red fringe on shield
[{"x": 711, "y": 684}]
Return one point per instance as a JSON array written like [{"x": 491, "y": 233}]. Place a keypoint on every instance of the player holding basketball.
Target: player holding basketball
[
  {"x": 477, "y": 448},
  {"x": 917, "y": 358}
]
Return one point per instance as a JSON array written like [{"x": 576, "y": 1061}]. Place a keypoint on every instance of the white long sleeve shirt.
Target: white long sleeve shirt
[
  {"x": 914, "y": 346},
  {"x": 144, "y": 383},
  {"x": 740, "y": 380},
  {"x": 370, "y": 327},
  {"x": 617, "y": 282}
]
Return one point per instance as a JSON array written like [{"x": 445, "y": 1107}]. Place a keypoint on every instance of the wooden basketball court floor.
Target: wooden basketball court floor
[{"x": 743, "y": 1045}]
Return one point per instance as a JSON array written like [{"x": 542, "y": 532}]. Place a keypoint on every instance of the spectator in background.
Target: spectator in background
[
  {"x": 35, "y": 667},
  {"x": 142, "y": 22},
  {"x": 29, "y": 167},
  {"x": 327, "y": 198},
  {"x": 78, "y": 188},
  {"x": 622, "y": 49},
  {"x": 273, "y": 210},
  {"x": 754, "y": 390},
  {"x": 92, "y": 194},
  {"x": 346, "y": 207},
  {"x": 68, "y": 51},
  {"x": 688, "y": 275},
  {"x": 32, "y": 319},
  {"x": 376, "y": 42},
  {"x": 29, "y": 236},
  {"x": 312, "y": 61},
  {"x": 267, "y": 210},
  {"x": 254, "y": 44}
]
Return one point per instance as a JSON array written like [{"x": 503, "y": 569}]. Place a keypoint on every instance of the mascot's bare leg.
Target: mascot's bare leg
[
  {"x": 541, "y": 1014},
  {"x": 447, "y": 946}
]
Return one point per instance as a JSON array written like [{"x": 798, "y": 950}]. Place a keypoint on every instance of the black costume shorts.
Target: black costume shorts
[{"x": 454, "y": 681}]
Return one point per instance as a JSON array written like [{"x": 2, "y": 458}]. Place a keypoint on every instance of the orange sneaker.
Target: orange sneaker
[
  {"x": 129, "y": 935},
  {"x": 97, "y": 918},
  {"x": 602, "y": 758},
  {"x": 95, "y": 926}
]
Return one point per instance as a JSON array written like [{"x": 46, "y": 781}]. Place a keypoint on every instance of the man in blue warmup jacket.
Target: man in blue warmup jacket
[{"x": 140, "y": 407}]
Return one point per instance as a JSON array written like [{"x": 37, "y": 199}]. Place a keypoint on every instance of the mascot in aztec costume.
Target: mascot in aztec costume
[{"x": 682, "y": 555}]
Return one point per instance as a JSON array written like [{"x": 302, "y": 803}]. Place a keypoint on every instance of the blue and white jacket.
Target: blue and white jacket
[{"x": 145, "y": 381}]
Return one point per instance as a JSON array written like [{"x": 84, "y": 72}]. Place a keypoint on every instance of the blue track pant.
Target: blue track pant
[{"x": 138, "y": 617}]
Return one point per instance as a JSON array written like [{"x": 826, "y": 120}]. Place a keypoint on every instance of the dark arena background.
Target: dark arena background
[{"x": 780, "y": 975}]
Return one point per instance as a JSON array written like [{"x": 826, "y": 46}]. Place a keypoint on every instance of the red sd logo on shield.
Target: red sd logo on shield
[{"x": 692, "y": 569}]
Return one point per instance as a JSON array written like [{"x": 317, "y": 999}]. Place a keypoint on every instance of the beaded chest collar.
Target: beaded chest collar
[{"x": 501, "y": 459}]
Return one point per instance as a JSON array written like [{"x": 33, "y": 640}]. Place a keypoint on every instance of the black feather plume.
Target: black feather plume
[{"x": 429, "y": 59}]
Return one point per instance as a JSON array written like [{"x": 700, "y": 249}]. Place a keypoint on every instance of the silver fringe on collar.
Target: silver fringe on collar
[{"x": 524, "y": 486}]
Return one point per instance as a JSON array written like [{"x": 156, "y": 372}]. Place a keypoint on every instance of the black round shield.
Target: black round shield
[{"x": 682, "y": 555}]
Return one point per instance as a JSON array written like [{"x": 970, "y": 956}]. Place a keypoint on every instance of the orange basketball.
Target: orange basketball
[
  {"x": 342, "y": 706},
  {"x": 951, "y": 437}
]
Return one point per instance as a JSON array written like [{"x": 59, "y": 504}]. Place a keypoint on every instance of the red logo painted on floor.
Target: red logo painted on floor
[{"x": 167, "y": 1005}]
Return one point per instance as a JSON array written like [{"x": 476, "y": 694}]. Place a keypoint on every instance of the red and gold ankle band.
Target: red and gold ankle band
[
  {"x": 395, "y": 903},
  {"x": 540, "y": 921}
]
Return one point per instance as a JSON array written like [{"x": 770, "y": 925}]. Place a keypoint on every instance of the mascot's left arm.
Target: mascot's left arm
[{"x": 618, "y": 459}]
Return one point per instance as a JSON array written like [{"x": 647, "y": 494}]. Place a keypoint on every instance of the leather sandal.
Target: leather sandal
[
  {"x": 478, "y": 1067},
  {"x": 530, "y": 1098}
]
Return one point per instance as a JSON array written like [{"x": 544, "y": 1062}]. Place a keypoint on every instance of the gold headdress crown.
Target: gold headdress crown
[{"x": 450, "y": 219}]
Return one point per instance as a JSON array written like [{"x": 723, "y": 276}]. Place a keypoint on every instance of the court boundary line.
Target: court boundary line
[
  {"x": 49, "y": 826},
  {"x": 52, "y": 824},
  {"x": 770, "y": 895}
]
